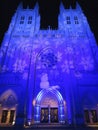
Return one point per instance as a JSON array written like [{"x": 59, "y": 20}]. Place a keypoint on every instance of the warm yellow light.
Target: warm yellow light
[
  {"x": 34, "y": 102},
  {"x": 13, "y": 123}
]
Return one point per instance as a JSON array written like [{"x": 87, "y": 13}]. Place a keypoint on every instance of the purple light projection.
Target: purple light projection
[{"x": 47, "y": 62}]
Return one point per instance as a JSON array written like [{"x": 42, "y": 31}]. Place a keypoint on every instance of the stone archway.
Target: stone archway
[
  {"x": 49, "y": 100},
  {"x": 8, "y": 106}
]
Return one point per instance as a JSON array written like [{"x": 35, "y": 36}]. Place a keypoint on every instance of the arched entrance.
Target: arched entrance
[
  {"x": 8, "y": 106},
  {"x": 49, "y": 107}
]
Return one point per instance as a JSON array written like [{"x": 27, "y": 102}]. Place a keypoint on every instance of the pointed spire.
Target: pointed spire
[{"x": 20, "y": 6}]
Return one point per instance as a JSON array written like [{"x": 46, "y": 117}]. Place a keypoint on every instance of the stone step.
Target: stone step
[{"x": 47, "y": 125}]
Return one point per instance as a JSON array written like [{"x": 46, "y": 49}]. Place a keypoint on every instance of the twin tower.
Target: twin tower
[{"x": 49, "y": 10}]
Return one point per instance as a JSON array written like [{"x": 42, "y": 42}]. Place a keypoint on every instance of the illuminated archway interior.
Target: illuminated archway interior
[{"x": 49, "y": 99}]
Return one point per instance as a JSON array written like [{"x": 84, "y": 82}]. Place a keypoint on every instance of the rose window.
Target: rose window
[{"x": 49, "y": 59}]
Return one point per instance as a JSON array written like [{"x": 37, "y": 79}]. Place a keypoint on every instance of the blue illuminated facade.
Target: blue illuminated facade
[{"x": 49, "y": 76}]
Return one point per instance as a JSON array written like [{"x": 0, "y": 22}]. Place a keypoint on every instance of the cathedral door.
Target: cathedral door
[
  {"x": 8, "y": 116},
  {"x": 49, "y": 115},
  {"x": 54, "y": 115},
  {"x": 90, "y": 116},
  {"x": 44, "y": 115}
]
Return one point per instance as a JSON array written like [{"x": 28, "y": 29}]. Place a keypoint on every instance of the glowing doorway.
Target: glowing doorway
[
  {"x": 49, "y": 115},
  {"x": 49, "y": 107}
]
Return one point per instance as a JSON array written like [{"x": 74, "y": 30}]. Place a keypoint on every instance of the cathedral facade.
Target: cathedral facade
[{"x": 49, "y": 76}]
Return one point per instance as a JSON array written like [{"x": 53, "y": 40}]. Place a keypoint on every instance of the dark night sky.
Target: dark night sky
[{"x": 8, "y": 7}]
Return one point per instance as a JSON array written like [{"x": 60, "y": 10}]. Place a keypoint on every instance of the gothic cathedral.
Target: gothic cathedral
[{"x": 49, "y": 75}]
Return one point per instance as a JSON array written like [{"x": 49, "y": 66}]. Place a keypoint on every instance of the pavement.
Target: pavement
[{"x": 44, "y": 127}]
